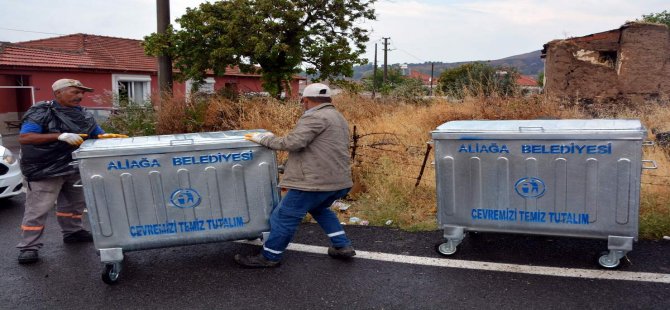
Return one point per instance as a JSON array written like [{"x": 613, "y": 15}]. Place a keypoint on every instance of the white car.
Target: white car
[{"x": 11, "y": 179}]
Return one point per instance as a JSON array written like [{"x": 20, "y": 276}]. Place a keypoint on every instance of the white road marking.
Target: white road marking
[{"x": 489, "y": 266}]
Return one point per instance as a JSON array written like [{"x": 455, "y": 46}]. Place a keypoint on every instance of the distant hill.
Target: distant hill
[{"x": 527, "y": 64}]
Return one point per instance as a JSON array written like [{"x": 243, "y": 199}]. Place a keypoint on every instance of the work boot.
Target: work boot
[
  {"x": 255, "y": 261},
  {"x": 28, "y": 257},
  {"x": 78, "y": 236},
  {"x": 341, "y": 253}
]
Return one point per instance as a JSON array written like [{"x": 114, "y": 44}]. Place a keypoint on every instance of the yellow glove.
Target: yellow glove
[
  {"x": 111, "y": 135},
  {"x": 257, "y": 136}
]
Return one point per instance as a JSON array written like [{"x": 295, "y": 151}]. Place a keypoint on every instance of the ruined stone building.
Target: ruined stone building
[{"x": 630, "y": 63}]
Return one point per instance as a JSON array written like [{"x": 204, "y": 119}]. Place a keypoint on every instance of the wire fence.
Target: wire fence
[
  {"x": 656, "y": 179},
  {"x": 370, "y": 148}
]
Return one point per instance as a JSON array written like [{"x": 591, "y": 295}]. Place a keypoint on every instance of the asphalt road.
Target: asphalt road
[{"x": 206, "y": 277}]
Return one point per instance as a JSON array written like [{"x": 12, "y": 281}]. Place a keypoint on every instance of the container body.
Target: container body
[
  {"x": 160, "y": 191},
  {"x": 578, "y": 178}
]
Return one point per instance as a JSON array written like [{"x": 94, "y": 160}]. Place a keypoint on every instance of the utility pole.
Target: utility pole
[
  {"x": 164, "y": 61},
  {"x": 386, "y": 43},
  {"x": 432, "y": 69},
  {"x": 374, "y": 74}
]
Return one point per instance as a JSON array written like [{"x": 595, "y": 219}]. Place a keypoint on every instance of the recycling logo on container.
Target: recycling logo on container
[
  {"x": 529, "y": 187},
  {"x": 185, "y": 198}
]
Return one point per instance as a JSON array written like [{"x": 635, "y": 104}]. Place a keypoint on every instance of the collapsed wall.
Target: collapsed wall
[{"x": 632, "y": 63}]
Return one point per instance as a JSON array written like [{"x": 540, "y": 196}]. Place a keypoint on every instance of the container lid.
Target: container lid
[
  {"x": 164, "y": 143},
  {"x": 542, "y": 126},
  {"x": 619, "y": 129}
]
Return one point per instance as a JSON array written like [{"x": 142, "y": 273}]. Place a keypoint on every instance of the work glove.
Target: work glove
[
  {"x": 257, "y": 136},
  {"x": 111, "y": 135},
  {"x": 71, "y": 138}
]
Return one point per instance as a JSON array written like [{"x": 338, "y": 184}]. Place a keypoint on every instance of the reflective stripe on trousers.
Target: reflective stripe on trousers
[
  {"x": 291, "y": 210},
  {"x": 41, "y": 197}
]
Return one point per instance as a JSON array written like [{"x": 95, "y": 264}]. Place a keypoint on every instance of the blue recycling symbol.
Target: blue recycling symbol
[
  {"x": 185, "y": 198},
  {"x": 530, "y": 187}
]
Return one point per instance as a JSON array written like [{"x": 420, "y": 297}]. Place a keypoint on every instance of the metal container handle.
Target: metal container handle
[
  {"x": 78, "y": 184},
  {"x": 648, "y": 143},
  {"x": 652, "y": 162},
  {"x": 181, "y": 142},
  {"x": 531, "y": 128}
]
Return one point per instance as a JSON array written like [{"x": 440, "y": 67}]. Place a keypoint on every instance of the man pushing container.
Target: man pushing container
[
  {"x": 50, "y": 131},
  {"x": 317, "y": 173}
]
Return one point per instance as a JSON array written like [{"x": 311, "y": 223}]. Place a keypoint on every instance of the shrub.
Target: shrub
[
  {"x": 479, "y": 80},
  {"x": 131, "y": 119}
]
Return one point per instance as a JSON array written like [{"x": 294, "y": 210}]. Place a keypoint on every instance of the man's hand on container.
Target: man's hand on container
[
  {"x": 257, "y": 136},
  {"x": 71, "y": 138},
  {"x": 111, "y": 135}
]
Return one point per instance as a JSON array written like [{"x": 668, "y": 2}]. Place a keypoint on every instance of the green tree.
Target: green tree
[
  {"x": 275, "y": 36},
  {"x": 540, "y": 79},
  {"x": 478, "y": 79},
  {"x": 659, "y": 18},
  {"x": 410, "y": 90},
  {"x": 394, "y": 78},
  {"x": 397, "y": 86}
]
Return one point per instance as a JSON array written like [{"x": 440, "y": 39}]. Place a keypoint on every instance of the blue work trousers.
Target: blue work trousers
[{"x": 291, "y": 210}]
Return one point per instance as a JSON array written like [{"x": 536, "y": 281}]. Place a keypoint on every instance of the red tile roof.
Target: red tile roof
[
  {"x": 525, "y": 80},
  {"x": 83, "y": 52},
  {"x": 425, "y": 78}
]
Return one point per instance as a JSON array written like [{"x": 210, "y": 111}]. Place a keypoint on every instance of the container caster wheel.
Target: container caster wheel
[
  {"x": 608, "y": 260},
  {"x": 446, "y": 249},
  {"x": 110, "y": 274}
]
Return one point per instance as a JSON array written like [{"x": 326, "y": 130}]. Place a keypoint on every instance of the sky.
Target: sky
[{"x": 419, "y": 30}]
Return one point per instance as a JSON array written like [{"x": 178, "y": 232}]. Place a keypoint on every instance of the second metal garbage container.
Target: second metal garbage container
[
  {"x": 577, "y": 178},
  {"x": 171, "y": 190}
]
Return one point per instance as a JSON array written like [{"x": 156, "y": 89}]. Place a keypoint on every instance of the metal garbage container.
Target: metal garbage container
[
  {"x": 172, "y": 190},
  {"x": 574, "y": 178}
]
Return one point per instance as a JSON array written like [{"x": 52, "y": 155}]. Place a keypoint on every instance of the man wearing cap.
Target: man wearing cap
[
  {"x": 317, "y": 173},
  {"x": 50, "y": 131}
]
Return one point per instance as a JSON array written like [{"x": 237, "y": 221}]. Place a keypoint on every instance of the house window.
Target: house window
[
  {"x": 207, "y": 86},
  {"x": 134, "y": 89},
  {"x": 608, "y": 58}
]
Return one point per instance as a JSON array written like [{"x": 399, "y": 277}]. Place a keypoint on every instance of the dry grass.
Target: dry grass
[
  {"x": 655, "y": 196},
  {"x": 178, "y": 115}
]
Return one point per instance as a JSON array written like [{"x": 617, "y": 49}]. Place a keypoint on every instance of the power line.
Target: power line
[
  {"x": 30, "y": 31},
  {"x": 406, "y": 52}
]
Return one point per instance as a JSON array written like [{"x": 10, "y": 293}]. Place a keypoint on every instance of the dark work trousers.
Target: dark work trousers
[{"x": 41, "y": 196}]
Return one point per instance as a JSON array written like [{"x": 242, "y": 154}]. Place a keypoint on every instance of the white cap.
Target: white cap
[
  {"x": 316, "y": 90},
  {"x": 62, "y": 83}
]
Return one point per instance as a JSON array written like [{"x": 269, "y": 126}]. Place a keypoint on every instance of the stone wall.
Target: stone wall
[{"x": 631, "y": 63}]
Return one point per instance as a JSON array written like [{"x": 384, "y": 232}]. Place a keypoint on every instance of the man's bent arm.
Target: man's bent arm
[{"x": 38, "y": 138}]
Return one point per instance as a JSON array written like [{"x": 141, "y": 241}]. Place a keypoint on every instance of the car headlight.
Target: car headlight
[{"x": 8, "y": 157}]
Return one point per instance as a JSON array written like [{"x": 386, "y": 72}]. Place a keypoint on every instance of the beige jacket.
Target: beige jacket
[{"x": 318, "y": 158}]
